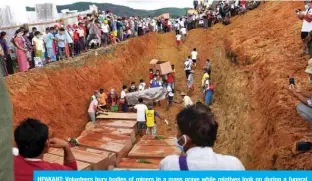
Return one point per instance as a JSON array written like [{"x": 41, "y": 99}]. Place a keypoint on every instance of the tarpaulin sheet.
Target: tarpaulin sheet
[{"x": 156, "y": 94}]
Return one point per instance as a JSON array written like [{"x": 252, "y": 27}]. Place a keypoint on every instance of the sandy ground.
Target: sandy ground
[{"x": 255, "y": 110}]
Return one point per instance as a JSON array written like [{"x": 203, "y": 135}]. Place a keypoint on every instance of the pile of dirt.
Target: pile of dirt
[
  {"x": 59, "y": 94},
  {"x": 251, "y": 61}
]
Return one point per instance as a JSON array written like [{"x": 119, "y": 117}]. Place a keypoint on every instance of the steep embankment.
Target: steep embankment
[
  {"x": 256, "y": 112},
  {"x": 59, "y": 94}
]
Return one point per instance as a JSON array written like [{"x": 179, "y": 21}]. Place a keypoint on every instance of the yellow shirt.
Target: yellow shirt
[
  {"x": 103, "y": 99},
  {"x": 205, "y": 76}
]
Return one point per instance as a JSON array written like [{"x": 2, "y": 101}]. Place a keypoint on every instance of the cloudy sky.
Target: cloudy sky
[{"x": 138, "y": 4}]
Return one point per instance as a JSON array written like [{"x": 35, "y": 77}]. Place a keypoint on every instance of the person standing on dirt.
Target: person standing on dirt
[
  {"x": 194, "y": 56},
  {"x": 178, "y": 39},
  {"x": 123, "y": 101},
  {"x": 103, "y": 99},
  {"x": 112, "y": 101},
  {"x": 196, "y": 134},
  {"x": 151, "y": 121},
  {"x": 132, "y": 88},
  {"x": 204, "y": 78},
  {"x": 93, "y": 109},
  {"x": 208, "y": 66},
  {"x": 190, "y": 82},
  {"x": 208, "y": 91},
  {"x": 306, "y": 27},
  {"x": 188, "y": 66},
  {"x": 141, "y": 109},
  {"x": 187, "y": 101}
]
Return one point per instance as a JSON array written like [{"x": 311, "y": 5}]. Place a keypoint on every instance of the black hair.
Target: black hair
[
  {"x": 208, "y": 60},
  {"x": 124, "y": 87},
  {"x": 132, "y": 83},
  {"x": 141, "y": 80},
  {"x": 37, "y": 33},
  {"x": 30, "y": 137},
  {"x": 198, "y": 122},
  {"x": 47, "y": 29},
  {"x": 140, "y": 100},
  {"x": 194, "y": 49},
  {"x": 101, "y": 90},
  {"x": 62, "y": 29},
  {"x": 34, "y": 28},
  {"x": 2, "y": 34},
  {"x": 189, "y": 56},
  {"x": 157, "y": 71},
  {"x": 52, "y": 28},
  {"x": 17, "y": 31},
  {"x": 172, "y": 66},
  {"x": 151, "y": 69}
]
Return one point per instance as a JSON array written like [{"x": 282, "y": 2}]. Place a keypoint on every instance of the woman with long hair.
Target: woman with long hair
[
  {"x": 6, "y": 50},
  {"x": 21, "y": 51}
]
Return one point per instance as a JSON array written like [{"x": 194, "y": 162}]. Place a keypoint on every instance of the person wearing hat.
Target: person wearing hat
[
  {"x": 186, "y": 99},
  {"x": 190, "y": 81},
  {"x": 151, "y": 115},
  {"x": 105, "y": 29},
  {"x": 304, "y": 108}
]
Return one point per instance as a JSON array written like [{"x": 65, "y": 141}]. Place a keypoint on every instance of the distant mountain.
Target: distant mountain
[{"x": 120, "y": 10}]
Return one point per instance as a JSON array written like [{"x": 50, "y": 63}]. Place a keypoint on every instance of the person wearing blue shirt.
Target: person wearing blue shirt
[
  {"x": 61, "y": 42},
  {"x": 49, "y": 44}
]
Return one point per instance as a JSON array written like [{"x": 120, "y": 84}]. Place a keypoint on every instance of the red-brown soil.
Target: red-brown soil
[{"x": 256, "y": 112}]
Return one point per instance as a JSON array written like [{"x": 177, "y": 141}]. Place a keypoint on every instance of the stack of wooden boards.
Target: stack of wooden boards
[{"x": 109, "y": 145}]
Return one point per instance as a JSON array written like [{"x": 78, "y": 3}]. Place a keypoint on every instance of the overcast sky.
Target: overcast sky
[{"x": 137, "y": 4}]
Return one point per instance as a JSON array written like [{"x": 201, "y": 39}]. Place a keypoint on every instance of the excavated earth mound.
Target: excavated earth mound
[{"x": 252, "y": 59}]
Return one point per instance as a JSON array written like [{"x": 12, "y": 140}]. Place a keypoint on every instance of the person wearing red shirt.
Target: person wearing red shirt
[
  {"x": 171, "y": 80},
  {"x": 32, "y": 140},
  {"x": 151, "y": 74}
]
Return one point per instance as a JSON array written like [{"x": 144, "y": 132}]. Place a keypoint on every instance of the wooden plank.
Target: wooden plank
[
  {"x": 114, "y": 131},
  {"x": 122, "y": 116},
  {"x": 97, "y": 161},
  {"x": 60, "y": 160},
  {"x": 142, "y": 151},
  {"x": 111, "y": 156},
  {"x": 99, "y": 144},
  {"x": 122, "y": 139},
  {"x": 134, "y": 164},
  {"x": 113, "y": 124},
  {"x": 171, "y": 142}
]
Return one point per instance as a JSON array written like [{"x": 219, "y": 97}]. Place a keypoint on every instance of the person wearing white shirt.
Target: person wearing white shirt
[
  {"x": 123, "y": 99},
  {"x": 179, "y": 37},
  {"x": 306, "y": 26},
  {"x": 142, "y": 85},
  {"x": 170, "y": 95},
  {"x": 196, "y": 134},
  {"x": 187, "y": 101},
  {"x": 188, "y": 66},
  {"x": 141, "y": 108},
  {"x": 194, "y": 56},
  {"x": 105, "y": 29},
  {"x": 184, "y": 32}
]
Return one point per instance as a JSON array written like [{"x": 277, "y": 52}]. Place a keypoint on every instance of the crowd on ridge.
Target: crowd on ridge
[{"x": 33, "y": 48}]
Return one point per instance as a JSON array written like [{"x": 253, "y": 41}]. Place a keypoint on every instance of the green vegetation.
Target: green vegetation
[{"x": 120, "y": 10}]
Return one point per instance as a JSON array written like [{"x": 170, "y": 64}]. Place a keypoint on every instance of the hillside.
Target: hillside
[{"x": 120, "y": 10}]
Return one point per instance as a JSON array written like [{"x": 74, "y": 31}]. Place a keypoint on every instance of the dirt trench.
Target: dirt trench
[{"x": 251, "y": 61}]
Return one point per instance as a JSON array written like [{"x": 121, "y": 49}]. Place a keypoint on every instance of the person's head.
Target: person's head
[
  {"x": 150, "y": 107},
  {"x": 26, "y": 33},
  {"x": 62, "y": 30},
  {"x": 154, "y": 76},
  {"x": 141, "y": 81},
  {"x": 208, "y": 60},
  {"x": 31, "y": 137},
  {"x": 157, "y": 72},
  {"x": 189, "y": 57},
  {"x": 124, "y": 87},
  {"x": 140, "y": 100},
  {"x": 172, "y": 67},
  {"x": 194, "y": 49},
  {"x": 52, "y": 29},
  {"x": 47, "y": 30},
  {"x": 101, "y": 90},
  {"x": 37, "y": 34},
  {"x": 19, "y": 33},
  {"x": 196, "y": 127},
  {"x": 96, "y": 92},
  {"x": 132, "y": 85},
  {"x": 3, "y": 35},
  {"x": 151, "y": 71},
  {"x": 34, "y": 29}
]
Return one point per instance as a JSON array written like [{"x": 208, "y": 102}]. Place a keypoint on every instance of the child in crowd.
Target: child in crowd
[
  {"x": 61, "y": 42},
  {"x": 141, "y": 109},
  {"x": 142, "y": 85},
  {"x": 112, "y": 101},
  {"x": 76, "y": 41},
  {"x": 103, "y": 99}
]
